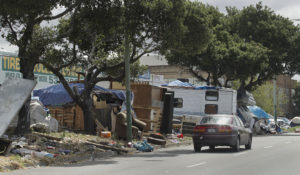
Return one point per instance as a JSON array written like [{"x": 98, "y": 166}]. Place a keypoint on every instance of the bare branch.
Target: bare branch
[
  {"x": 71, "y": 29},
  {"x": 132, "y": 60},
  {"x": 260, "y": 79},
  {"x": 12, "y": 30},
  {"x": 81, "y": 73},
  {"x": 92, "y": 52},
  {"x": 199, "y": 76},
  {"x": 110, "y": 78},
  {"x": 74, "y": 58},
  {"x": 48, "y": 18},
  {"x": 62, "y": 80}
]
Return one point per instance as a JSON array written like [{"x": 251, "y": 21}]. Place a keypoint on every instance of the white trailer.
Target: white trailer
[
  {"x": 205, "y": 101},
  {"x": 200, "y": 102}
]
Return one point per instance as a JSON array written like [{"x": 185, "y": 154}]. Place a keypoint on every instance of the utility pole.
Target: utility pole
[
  {"x": 128, "y": 96},
  {"x": 275, "y": 100}
]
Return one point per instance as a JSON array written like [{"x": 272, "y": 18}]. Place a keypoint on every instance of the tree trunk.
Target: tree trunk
[
  {"x": 241, "y": 91},
  {"x": 89, "y": 115},
  {"x": 27, "y": 69}
]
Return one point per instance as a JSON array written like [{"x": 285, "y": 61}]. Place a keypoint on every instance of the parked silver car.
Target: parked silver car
[{"x": 221, "y": 130}]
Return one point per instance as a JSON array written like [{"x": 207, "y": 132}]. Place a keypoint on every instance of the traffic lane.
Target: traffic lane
[
  {"x": 270, "y": 155},
  {"x": 224, "y": 161},
  {"x": 183, "y": 160}
]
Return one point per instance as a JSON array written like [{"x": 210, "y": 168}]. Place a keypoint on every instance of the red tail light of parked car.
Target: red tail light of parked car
[
  {"x": 212, "y": 128},
  {"x": 225, "y": 129},
  {"x": 199, "y": 128}
]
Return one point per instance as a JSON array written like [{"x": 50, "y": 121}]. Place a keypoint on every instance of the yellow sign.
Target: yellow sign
[{"x": 13, "y": 64}]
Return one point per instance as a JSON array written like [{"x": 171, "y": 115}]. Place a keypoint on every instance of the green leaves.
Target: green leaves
[
  {"x": 249, "y": 45},
  {"x": 260, "y": 24}
]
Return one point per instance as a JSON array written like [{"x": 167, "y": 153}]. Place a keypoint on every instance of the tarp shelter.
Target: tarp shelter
[
  {"x": 295, "y": 122},
  {"x": 205, "y": 87},
  {"x": 258, "y": 112},
  {"x": 57, "y": 94},
  {"x": 178, "y": 83}
]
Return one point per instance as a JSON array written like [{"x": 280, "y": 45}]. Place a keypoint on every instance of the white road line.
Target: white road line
[
  {"x": 266, "y": 147},
  {"x": 288, "y": 142},
  {"x": 199, "y": 164},
  {"x": 238, "y": 154}
]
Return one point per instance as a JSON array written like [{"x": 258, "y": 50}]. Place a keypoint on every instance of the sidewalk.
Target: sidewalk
[
  {"x": 282, "y": 134},
  {"x": 289, "y": 134}
]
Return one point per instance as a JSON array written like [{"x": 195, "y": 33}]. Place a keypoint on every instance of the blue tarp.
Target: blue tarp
[
  {"x": 179, "y": 83},
  {"x": 258, "y": 112},
  {"x": 205, "y": 87},
  {"x": 57, "y": 95}
]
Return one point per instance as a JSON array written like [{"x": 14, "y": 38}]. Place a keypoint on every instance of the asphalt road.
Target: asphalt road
[{"x": 274, "y": 155}]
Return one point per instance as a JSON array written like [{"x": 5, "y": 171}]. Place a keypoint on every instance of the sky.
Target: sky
[{"x": 286, "y": 8}]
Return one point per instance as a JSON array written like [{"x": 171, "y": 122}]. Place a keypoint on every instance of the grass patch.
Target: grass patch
[
  {"x": 293, "y": 129},
  {"x": 13, "y": 162}
]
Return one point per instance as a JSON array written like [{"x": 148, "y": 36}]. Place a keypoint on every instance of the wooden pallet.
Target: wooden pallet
[
  {"x": 157, "y": 117},
  {"x": 70, "y": 117}
]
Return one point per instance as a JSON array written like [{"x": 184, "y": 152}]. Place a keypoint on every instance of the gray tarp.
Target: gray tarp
[
  {"x": 38, "y": 116},
  {"x": 13, "y": 94}
]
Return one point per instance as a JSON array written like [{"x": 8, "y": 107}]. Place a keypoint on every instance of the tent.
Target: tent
[
  {"x": 57, "y": 95},
  {"x": 258, "y": 112},
  {"x": 295, "y": 122}
]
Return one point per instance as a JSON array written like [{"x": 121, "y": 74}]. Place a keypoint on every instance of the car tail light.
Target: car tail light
[
  {"x": 225, "y": 129},
  {"x": 199, "y": 128}
]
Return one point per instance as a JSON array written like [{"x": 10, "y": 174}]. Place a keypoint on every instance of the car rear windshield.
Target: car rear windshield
[{"x": 216, "y": 120}]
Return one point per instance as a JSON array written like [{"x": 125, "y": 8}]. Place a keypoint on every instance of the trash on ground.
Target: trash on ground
[{"x": 143, "y": 146}]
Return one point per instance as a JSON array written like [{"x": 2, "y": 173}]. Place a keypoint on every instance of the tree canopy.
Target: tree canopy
[
  {"x": 250, "y": 45},
  {"x": 18, "y": 21},
  {"x": 97, "y": 40}
]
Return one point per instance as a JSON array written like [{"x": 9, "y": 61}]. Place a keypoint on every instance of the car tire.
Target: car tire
[
  {"x": 212, "y": 147},
  {"x": 236, "y": 147},
  {"x": 249, "y": 144},
  {"x": 197, "y": 148}
]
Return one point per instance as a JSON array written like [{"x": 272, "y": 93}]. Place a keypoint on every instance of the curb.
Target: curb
[
  {"x": 84, "y": 157},
  {"x": 186, "y": 143},
  {"x": 283, "y": 134},
  {"x": 107, "y": 154}
]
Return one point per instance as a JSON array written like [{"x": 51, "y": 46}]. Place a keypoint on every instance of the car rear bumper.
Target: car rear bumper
[{"x": 214, "y": 140}]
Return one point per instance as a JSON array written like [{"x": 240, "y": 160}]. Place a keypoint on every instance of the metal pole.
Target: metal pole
[
  {"x": 274, "y": 99},
  {"x": 128, "y": 96}
]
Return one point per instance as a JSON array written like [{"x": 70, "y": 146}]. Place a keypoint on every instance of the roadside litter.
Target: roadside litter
[{"x": 143, "y": 146}]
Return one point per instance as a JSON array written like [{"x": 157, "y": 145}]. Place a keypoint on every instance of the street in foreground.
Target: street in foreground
[{"x": 274, "y": 155}]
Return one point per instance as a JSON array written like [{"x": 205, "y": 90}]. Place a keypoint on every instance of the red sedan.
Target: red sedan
[{"x": 221, "y": 130}]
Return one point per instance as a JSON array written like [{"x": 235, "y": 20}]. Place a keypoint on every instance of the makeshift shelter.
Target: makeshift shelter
[
  {"x": 147, "y": 104},
  {"x": 57, "y": 95},
  {"x": 295, "y": 122},
  {"x": 70, "y": 115},
  {"x": 178, "y": 83},
  {"x": 258, "y": 112}
]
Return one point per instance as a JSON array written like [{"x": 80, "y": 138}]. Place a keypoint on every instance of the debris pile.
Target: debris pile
[{"x": 45, "y": 149}]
